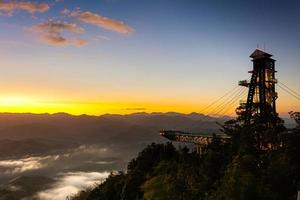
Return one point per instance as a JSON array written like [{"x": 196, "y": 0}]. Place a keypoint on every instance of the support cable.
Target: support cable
[
  {"x": 216, "y": 109},
  {"x": 288, "y": 92},
  {"x": 214, "y": 102},
  {"x": 292, "y": 91},
  {"x": 231, "y": 102},
  {"x": 227, "y": 100},
  {"x": 233, "y": 105}
]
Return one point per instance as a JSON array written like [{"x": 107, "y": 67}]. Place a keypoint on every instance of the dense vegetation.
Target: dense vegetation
[{"x": 261, "y": 161}]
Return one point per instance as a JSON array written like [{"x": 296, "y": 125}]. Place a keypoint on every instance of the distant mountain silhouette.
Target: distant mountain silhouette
[
  {"x": 38, "y": 133},
  {"x": 28, "y": 146}
]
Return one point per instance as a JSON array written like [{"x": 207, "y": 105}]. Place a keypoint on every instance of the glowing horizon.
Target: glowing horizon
[
  {"x": 27, "y": 105},
  {"x": 23, "y": 104}
]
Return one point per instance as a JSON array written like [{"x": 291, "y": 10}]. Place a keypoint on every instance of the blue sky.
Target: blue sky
[{"x": 176, "y": 55}]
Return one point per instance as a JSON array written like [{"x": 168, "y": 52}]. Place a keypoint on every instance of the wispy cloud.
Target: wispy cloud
[
  {"x": 71, "y": 183},
  {"x": 89, "y": 156},
  {"x": 138, "y": 109},
  {"x": 51, "y": 32},
  {"x": 11, "y": 167},
  {"x": 100, "y": 21},
  {"x": 9, "y": 7}
]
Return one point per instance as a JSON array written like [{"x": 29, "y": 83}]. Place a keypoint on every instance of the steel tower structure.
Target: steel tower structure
[
  {"x": 261, "y": 100},
  {"x": 262, "y": 96}
]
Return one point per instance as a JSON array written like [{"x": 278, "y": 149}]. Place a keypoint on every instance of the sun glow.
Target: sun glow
[
  {"x": 19, "y": 104},
  {"x": 30, "y": 104},
  {"x": 14, "y": 101}
]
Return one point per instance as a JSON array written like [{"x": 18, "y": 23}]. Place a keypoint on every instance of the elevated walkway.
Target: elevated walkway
[{"x": 196, "y": 138}]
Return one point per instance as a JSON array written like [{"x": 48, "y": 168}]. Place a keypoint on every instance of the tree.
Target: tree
[
  {"x": 241, "y": 180},
  {"x": 260, "y": 161},
  {"x": 110, "y": 189}
]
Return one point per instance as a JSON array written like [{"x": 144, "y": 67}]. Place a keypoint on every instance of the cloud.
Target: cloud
[
  {"x": 91, "y": 155},
  {"x": 10, "y": 6},
  {"x": 100, "y": 21},
  {"x": 61, "y": 41},
  {"x": 10, "y": 167},
  {"x": 71, "y": 183},
  {"x": 138, "y": 109},
  {"x": 50, "y": 32}
]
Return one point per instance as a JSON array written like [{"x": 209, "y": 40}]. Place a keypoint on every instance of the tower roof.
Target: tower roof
[{"x": 258, "y": 53}]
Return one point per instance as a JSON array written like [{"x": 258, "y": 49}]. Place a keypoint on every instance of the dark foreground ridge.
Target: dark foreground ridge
[{"x": 237, "y": 170}]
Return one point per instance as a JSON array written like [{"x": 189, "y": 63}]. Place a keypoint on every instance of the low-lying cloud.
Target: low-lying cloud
[
  {"x": 100, "y": 21},
  {"x": 84, "y": 157},
  {"x": 51, "y": 32},
  {"x": 70, "y": 171},
  {"x": 11, "y": 167},
  {"x": 9, "y": 7},
  {"x": 71, "y": 183}
]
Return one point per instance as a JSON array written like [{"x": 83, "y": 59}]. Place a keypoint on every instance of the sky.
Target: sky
[{"x": 125, "y": 56}]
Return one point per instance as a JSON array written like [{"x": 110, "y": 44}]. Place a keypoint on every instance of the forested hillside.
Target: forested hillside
[{"x": 261, "y": 161}]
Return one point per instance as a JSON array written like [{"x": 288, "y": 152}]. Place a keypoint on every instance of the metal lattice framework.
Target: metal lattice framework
[
  {"x": 260, "y": 99},
  {"x": 261, "y": 94},
  {"x": 196, "y": 138}
]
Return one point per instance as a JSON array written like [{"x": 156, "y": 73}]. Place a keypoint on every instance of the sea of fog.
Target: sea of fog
[{"x": 71, "y": 170}]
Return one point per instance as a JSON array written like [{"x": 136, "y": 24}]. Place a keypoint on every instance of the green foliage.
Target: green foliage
[
  {"x": 296, "y": 117},
  {"x": 109, "y": 190},
  {"x": 265, "y": 163},
  {"x": 241, "y": 180},
  {"x": 82, "y": 195},
  {"x": 261, "y": 161},
  {"x": 144, "y": 164},
  {"x": 156, "y": 188}
]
